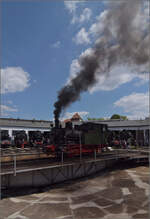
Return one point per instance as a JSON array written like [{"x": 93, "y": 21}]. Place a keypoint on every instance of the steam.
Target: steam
[{"x": 126, "y": 43}]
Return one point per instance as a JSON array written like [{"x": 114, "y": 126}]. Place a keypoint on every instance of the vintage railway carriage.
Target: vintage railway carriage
[{"x": 85, "y": 138}]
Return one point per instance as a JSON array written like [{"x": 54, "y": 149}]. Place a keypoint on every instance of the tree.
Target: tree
[
  {"x": 96, "y": 119},
  {"x": 101, "y": 119},
  {"x": 91, "y": 118},
  {"x": 124, "y": 117},
  {"x": 117, "y": 116}
]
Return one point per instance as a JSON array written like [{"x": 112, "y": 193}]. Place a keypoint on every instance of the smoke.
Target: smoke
[{"x": 123, "y": 41}]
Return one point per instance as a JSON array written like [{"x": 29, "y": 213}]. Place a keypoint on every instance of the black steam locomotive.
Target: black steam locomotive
[
  {"x": 5, "y": 139},
  {"x": 74, "y": 140},
  {"x": 35, "y": 138},
  {"x": 20, "y": 138}
]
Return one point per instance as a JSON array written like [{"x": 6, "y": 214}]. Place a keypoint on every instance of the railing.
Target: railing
[
  {"x": 94, "y": 156},
  {"x": 15, "y": 164}
]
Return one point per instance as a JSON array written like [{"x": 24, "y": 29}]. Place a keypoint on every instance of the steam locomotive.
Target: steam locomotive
[
  {"x": 74, "y": 140},
  {"x": 20, "y": 139},
  {"x": 35, "y": 138},
  {"x": 5, "y": 139}
]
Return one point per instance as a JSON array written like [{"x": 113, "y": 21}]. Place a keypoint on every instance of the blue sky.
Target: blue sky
[{"x": 41, "y": 44}]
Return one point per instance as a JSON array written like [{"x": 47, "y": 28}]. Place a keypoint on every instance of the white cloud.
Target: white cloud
[
  {"x": 6, "y": 110},
  {"x": 71, "y": 5},
  {"x": 111, "y": 81},
  {"x": 14, "y": 79},
  {"x": 81, "y": 37},
  {"x": 85, "y": 16},
  {"x": 136, "y": 105},
  {"x": 56, "y": 44},
  {"x": 68, "y": 115},
  {"x": 118, "y": 76},
  {"x": 87, "y": 52},
  {"x": 99, "y": 25}
]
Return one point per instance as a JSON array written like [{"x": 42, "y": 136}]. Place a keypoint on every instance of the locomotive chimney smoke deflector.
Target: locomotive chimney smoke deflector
[{"x": 122, "y": 41}]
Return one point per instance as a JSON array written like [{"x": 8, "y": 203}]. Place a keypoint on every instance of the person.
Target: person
[
  {"x": 128, "y": 142},
  {"x": 135, "y": 143},
  {"x": 22, "y": 145},
  {"x": 124, "y": 144}
]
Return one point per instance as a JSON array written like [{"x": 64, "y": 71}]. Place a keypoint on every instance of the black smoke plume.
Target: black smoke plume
[{"x": 122, "y": 41}]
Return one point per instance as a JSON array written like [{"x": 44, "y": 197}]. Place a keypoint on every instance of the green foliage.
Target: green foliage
[
  {"x": 117, "y": 116},
  {"x": 101, "y": 119},
  {"x": 124, "y": 117},
  {"x": 114, "y": 116},
  {"x": 96, "y": 119}
]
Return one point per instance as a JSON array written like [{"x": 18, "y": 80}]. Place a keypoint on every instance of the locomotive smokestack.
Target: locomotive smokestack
[
  {"x": 57, "y": 123},
  {"x": 122, "y": 41}
]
